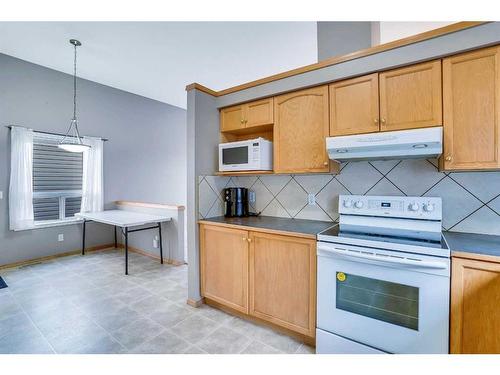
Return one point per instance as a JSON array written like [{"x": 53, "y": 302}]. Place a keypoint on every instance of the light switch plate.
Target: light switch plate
[
  {"x": 311, "y": 199},
  {"x": 60, "y": 237},
  {"x": 1, "y": 194},
  {"x": 251, "y": 196}
]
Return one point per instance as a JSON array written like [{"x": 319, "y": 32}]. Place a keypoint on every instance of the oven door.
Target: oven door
[
  {"x": 395, "y": 302},
  {"x": 238, "y": 157}
]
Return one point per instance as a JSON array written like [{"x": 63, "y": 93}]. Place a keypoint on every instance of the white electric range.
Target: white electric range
[{"x": 384, "y": 278}]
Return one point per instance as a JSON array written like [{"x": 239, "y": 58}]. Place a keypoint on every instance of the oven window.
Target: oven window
[
  {"x": 235, "y": 155},
  {"x": 383, "y": 300}
]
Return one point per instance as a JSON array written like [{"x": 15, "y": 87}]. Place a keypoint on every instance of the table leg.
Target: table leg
[
  {"x": 83, "y": 238},
  {"x": 126, "y": 250},
  {"x": 116, "y": 242},
  {"x": 161, "y": 243}
]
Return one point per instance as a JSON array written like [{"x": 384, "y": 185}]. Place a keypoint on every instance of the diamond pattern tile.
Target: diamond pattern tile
[
  {"x": 293, "y": 197},
  {"x": 207, "y": 198},
  {"x": 217, "y": 183},
  {"x": 275, "y": 183},
  {"x": 275, "y": 209},
  {"x": 384, "y": 166},
  {"x": 244, "y": 181},
  {"x": 457, "y": 202},
  {"x": 484, "y": 221},
  {"x": 312, "y": 184},
  {"x": 484, "y": 185},
  {"x": 415, "y": 177},
  {"x": 328, "y": 198},
  {"x": 359, "y": 177},
  {"x": 313, "y": 212},
  {"x": 495, "y": 205},
  {"x": 384, "y": 187},
  {"x": 286, "y": 195},
  {"x": 262, "y": 196}
]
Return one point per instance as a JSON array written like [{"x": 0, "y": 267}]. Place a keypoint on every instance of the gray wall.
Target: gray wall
[
  {"x": 144, "y": 160},
  {"x": 339, "y": 38}
]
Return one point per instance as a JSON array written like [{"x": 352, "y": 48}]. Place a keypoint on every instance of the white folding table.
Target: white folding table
[{"x": 125, "y": 220}]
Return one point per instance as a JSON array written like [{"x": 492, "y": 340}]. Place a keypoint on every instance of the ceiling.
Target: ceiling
[{"x": 158, "y": 59}]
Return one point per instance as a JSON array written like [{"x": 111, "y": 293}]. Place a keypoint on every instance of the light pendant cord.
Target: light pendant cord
[{"x": 74, "y": 86}]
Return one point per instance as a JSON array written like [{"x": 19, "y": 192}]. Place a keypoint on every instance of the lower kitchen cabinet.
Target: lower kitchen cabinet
[
  {"x": 224, "y": 266},
  {"x": 475, "y": 306},
  {"x": 283, "y": 281},
  {"x": 267, "y": 276}
]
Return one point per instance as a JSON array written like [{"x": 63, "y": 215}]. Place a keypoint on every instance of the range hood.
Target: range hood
[{"x": 403, "y": 144}]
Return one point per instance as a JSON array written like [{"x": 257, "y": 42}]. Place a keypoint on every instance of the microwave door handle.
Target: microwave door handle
[{"x": 388, "y": 259}]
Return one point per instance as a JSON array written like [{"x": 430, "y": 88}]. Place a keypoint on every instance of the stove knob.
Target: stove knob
[
  {"x": 414, "y": 206},
  {"x": 358, "y": 204},
  {"x": 429, "y": 207},
  {"x": 347, "y": 204}
]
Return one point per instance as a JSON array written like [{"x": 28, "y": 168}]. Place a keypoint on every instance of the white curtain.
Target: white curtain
[
  {"x": 21, "y": 179},
  {"x": 92, "y": 186}
]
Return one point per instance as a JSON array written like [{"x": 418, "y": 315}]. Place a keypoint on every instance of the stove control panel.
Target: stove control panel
[{"x": 428, "y": 208}]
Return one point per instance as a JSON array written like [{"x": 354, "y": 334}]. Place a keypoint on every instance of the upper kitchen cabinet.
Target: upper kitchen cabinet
[
  {"x": 354, "y": 106},
  {"x": 248, "y": 115},
  {"x": 411, "y": 97},
  {"x": 231, "y": 118},
  {"x": 300, "y": 128},
  {"x": 471, "y": 93}
]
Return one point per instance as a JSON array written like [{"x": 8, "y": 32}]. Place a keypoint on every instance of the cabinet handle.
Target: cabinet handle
[
  {"x": 325, "y": 163},
  {"x": 242, "y": 121},
  {"x": 382, "y": 120},
  {"x": 448, "y": 158},
  {"x": 245, "y": 239},
  {"x": 249, "y": 239},
  {"x": 375, "y": 121}
]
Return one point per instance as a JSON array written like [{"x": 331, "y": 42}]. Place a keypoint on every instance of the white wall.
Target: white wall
[
  {"x": 384, "y": 32},
  {"x": 158, "y": 59}
]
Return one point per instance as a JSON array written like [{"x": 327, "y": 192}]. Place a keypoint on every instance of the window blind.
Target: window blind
[{"x": 57, "y": 179}]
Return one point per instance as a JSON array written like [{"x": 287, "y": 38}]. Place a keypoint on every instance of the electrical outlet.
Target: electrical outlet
[
  {"x": 1, "y": 194},
  {"x": 251, "y": 196},
  {"x": 60, "y": 237},
  {"x": 156, "y": 241},
  {"x": 311, "y": 199}
]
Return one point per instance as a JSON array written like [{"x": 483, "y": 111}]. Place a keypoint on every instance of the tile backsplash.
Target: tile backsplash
[{"x": 471, "y": 200}]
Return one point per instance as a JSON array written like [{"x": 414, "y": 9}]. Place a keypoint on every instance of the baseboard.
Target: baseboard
[
  {"x": 306, "y": 339},
  {"x": 194, "y": 303},
  {"x": 148, "y": 254},
  {"x": 55, "y": 256}
]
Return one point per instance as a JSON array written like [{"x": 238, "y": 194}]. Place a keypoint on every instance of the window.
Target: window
[{"x": 57, "y": 180}]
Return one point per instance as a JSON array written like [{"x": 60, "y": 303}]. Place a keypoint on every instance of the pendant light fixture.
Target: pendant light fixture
[{"x": 72, "y": 141}]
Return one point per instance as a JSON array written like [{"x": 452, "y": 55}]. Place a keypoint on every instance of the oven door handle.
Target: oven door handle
[{"x": 385, "y": 259}]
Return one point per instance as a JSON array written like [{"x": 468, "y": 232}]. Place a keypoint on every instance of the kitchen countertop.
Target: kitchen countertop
[
  {"x": 476, "y": 246},
  {"x": 309, "y": 228}
]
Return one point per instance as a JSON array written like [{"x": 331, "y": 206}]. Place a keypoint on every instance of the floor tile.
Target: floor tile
[
  {"x": 305, "y": 349},
  {"x": 165, "y": 343},
  {"x": 137, "y": 332},
  {"x": 170, "y": 315},
  {"x": 26, "y": 341},
  {"x": 224, "y": 341},
  {"x": 256, "y": 347},
  {"x": 195, "y": 328}
]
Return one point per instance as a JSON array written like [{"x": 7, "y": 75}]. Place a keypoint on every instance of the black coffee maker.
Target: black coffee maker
[{"x": 236, "y": 202}]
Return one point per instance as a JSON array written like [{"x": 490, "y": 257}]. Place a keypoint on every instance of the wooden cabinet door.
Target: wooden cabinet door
[
  {"x": 232, "y": 118},
  {"x": 471, "y": 93},
  {"x": 300, "y": 129},
  {"x": 259, "y": 113},
  {"x": 411, "y": 97},
  {"x": 283, "y": 281},
  {"x": 475, "y": 307},
  {"x": 224, "y": 266},
  {"x": 354, "y": 106}
]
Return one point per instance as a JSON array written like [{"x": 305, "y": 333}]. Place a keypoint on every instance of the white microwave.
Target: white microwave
[{"x": 249, "y": 155}]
